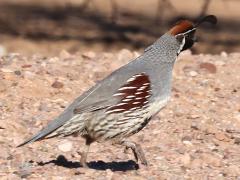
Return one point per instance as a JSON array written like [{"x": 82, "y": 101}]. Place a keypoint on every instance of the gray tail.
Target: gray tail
[
  {"x": 51, "y": 127},
  {"x": 39, "y": 136}
]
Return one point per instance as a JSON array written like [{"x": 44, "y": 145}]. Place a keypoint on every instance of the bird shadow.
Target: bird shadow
[{"x": 97, "y": 165}]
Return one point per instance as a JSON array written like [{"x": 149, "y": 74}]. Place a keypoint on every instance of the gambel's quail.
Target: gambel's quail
[{"x": 124, "y": 102}]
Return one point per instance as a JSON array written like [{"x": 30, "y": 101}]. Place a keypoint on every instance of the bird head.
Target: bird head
[{"x": 184, "y": 31}]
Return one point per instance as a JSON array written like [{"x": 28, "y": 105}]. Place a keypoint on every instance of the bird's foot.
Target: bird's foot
[{"x": 137, "y": 151}]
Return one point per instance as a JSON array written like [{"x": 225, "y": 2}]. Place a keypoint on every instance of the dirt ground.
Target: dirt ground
[{"x": 196, "y": 136}]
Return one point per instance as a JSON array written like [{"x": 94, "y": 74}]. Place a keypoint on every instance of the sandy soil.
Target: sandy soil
[{"x": 196, "y": 136}]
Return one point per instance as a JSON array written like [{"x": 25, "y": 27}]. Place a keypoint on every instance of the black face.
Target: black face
[
  {"x": 186, "y": 40},
  {"x": 189, "y": 40}
]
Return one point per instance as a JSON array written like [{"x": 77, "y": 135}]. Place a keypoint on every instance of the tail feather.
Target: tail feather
[
  {"x": 46, "y": 131},
  {"x": 51, "y": 127},
  {"x": 32, "y": 139}
]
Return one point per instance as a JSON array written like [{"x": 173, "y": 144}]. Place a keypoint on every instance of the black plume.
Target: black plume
[{"x": 210, "y": 18}]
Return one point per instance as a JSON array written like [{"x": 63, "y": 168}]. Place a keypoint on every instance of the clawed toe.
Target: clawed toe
[{"x": 137, "y": 151}]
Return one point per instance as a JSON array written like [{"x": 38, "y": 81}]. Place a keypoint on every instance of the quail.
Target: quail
[{"x": 125, "y": 101}]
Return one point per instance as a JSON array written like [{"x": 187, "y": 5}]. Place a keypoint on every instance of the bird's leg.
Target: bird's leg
[
  {"x": 85, "y": 151},
  {"x": 137, "y": 151}
]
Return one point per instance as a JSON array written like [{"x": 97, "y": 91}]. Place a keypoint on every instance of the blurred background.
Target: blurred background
[{"x": 47, "y": 27}]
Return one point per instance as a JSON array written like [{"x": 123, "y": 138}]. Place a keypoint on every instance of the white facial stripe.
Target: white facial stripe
[
  {"x": 182, "y": 34},
  {"x": 182, "y": 45}
]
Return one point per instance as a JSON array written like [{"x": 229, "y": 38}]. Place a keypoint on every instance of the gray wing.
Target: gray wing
[{"x": 97, "y": 97}]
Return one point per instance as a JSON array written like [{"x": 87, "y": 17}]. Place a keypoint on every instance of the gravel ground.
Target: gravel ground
[{"x": 197, "y": 136}]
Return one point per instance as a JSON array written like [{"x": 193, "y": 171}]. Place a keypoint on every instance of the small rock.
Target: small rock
[
  {"x": 211, "y": 68},
  {"x": 26, "y": 66},
  {"x": 66, "y": 146},
  {"x": 65, "y": 55},
  {"x": 89, "y": 55},
  {"x": 44, "y": 107},
  {"x": 217, "y": 89},
  {"x": 57, "y": 85},
  {"x": 220, "y": 63},
  {"x": 29, "y": 75},
  {"x": 237, "y": 140},
  {"x": 43, "y": 64},
  {"x": 195, "y": 126},
  {"x": 53, "y": 60},
  {"x": 193, "y": 116},
  {"x": 211, "y": 129},
  {"x": 5, "y": 70},
  {"x": 187, "y": 140},
  {"x": 222, "y": 137},
  {"x": 224, "y": 54},
  {"x": 193, "y": 73},
  {"x": 18, "y": 73}
]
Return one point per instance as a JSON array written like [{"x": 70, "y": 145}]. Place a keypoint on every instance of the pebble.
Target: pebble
[
  {"x": 193, "y": 73},
  {"x": 89, "y": 55},
  {"x": 186, "y": 142},
  {"x": 65, "y": 55},
  {"x": 211, "y": 68},
  {"x": 29, "y": 75},
  {"x": 5, "y": 70},
  {"x": 44, "y": 107},
  {"x": 237, "y": 140},
  {"x": 66, "y": 146},
  {"x": 53, "y": 59},
  {"x": 222, "y": 137},
  {"x": 220, "y": 63},
  {"x": 57, "y": 85},
  {"x": 18, "y": 73},
  {"x": 26, "y": 66},
  {"x": 224, "y": 54}
]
